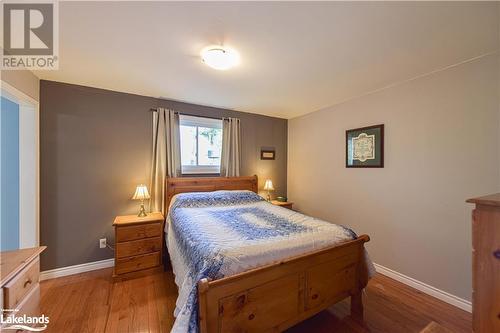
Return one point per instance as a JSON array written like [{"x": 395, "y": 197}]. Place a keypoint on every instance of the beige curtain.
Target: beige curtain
[
  {"x": 231, "y": 148},
  {"x": 166, "y": 155}
]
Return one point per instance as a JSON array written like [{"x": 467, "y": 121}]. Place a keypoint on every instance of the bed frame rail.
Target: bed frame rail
[{"x": 278, "y": 296}]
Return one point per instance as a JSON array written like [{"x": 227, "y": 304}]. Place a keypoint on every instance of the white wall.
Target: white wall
[
  {"x": 442, "y": 147},
  {"x": 28, "y": 176}
]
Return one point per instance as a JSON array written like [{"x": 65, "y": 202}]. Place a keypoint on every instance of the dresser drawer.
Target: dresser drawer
[
  {"x": 29, "y": 306},
  {"x": 132, "y": 264},
  {"x": 128, "y": 233},
  {"x": 16, "y": 289},
  {"x": 141, "y": 246}
]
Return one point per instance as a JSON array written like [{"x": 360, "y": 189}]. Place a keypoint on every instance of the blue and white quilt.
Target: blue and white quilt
[{"x": 222, "y": 233}]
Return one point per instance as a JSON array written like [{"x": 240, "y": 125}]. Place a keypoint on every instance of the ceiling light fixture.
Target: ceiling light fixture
[{"x": 220, "y": 58}]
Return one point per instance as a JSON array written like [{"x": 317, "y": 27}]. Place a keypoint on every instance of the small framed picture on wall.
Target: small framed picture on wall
[
  {"x": 365, "y": 147},
  {"x": 267, "y": 154}
]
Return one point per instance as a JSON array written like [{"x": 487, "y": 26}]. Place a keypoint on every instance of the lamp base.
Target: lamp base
[{"x": 142, "y": 212}]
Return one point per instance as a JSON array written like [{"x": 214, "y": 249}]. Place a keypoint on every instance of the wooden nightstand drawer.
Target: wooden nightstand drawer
[
  {"x": 285, "y": 204},
  {"x": 288, "y": 205},
  {"x": 137, "y": 263},
  {"x": 141, "y": 246},
  {"x": 134, "y": 232},
  {"x": 15, "y": 290}
]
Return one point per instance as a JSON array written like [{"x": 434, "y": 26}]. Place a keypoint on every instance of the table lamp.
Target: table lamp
[
  {"x": 268, "y": 186},
  {"x": 141, "y": 193}
]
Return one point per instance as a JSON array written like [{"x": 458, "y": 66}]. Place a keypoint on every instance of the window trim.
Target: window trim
[
  {"x": 197, "y": 121},
  {"x": 187, "y": 120},
  {"x": 200, "y": 169}
]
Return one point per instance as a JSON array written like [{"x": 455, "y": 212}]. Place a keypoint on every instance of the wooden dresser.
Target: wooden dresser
[
  {"x": 138, "y": 245},
  {"x": 19, "y": 275},
  {"x": 486, "y": 264}
]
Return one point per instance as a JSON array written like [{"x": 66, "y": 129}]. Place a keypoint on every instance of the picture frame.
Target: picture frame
[
  {"x": 267, "y": 154},
  {"x": 365, "y": 147}
]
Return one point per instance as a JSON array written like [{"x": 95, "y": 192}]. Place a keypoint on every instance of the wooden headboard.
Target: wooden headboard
[{"x": 208, "y": 184}]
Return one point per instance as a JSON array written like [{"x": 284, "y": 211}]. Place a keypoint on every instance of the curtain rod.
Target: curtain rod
[{"x": 187, "y": 114}]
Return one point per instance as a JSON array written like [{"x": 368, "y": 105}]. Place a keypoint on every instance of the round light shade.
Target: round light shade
[{"x": 220, "y": 58}]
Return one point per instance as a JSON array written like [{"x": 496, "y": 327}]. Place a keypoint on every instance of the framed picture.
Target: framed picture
[
  {"x": 267, "y": 154},
  {"x": 365, "y": 147}
]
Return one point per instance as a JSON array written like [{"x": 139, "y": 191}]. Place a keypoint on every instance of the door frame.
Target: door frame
[{"x": 26, "y": 104}]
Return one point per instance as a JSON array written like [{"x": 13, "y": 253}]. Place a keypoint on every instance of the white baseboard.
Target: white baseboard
[
  {"x": 75, "y": 269},
  {"x": 425, "y": 288}
]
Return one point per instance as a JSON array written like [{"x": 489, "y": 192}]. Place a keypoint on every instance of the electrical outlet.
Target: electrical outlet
[{"x": 102, "y": 243}]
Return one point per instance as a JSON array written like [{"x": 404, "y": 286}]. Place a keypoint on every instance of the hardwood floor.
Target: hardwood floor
[{"x": 91, "y": 302}]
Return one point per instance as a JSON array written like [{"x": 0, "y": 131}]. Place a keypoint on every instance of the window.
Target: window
[{"x": 201, "y": 144}]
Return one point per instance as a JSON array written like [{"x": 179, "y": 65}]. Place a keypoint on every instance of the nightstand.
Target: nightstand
[
  {"x": 286, "y": 204},
  {"x": 138, "y": 245}
]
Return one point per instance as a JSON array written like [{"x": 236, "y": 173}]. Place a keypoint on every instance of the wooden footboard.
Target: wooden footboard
[{"x": 278, "y": 296}]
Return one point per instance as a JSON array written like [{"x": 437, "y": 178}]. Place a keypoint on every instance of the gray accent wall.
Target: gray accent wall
[{"x": 95, "y": 147}]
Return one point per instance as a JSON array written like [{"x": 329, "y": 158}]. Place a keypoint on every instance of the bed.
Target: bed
[{"x": 242, "y": 264}]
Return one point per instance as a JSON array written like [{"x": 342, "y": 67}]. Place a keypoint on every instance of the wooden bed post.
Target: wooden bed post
[
  {"x": 357, "y": 306},
  {"x": 362, "y": 281},
  {"x": 202, "y": 298}
]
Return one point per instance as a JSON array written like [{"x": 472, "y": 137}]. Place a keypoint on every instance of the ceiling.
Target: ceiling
[{"x": 295, "y": 57}]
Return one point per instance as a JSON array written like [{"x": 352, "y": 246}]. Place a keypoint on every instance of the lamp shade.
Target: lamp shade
[
  {"x": 268, "y": 186},
  {"x": 141, "y": 193}
]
